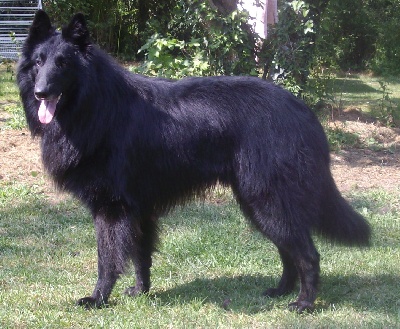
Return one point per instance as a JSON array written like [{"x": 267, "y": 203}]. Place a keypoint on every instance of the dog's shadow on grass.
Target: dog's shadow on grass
[
  {"x": 245, "y": 294},
  {"x": 236, "y": 294}
]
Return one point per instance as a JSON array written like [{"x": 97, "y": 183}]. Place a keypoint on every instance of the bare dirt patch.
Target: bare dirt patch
[
  {"x": 20, "y": 157},
  {"x": 375, "y": 161},
  {"x": 377, "y": 166},
  {"x": 364, "y": 169}
]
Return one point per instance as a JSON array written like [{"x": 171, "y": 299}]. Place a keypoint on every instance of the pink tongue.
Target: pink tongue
[{"x": 46, "y": 110}]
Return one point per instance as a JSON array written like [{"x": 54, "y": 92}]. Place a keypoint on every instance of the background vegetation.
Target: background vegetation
[{"x": 193, "y": 36}]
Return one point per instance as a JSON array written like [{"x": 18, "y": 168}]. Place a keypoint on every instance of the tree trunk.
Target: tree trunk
[{"x": 225, "y": 7}]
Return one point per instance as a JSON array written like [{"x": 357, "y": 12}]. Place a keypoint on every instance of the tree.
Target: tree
[{"x": 225, "y": 7}]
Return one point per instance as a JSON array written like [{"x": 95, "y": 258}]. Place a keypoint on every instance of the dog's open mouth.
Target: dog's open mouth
[{"x": 47, "y": 109}]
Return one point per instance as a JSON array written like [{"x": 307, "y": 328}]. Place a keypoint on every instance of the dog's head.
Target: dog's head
[{"x": 52, "y": 61}]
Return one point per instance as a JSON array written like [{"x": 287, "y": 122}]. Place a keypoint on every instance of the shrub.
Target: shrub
[{"x": 200, "y": 42}]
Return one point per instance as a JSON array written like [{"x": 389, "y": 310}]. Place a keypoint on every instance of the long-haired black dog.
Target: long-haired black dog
[{"x": 131, "y": 147}]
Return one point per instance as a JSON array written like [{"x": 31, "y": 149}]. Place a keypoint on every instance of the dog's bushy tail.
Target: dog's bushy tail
[{"x": 341, "y": 223}]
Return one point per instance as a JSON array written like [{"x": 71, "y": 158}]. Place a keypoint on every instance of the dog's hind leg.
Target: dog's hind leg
[
  {"x": 306, "y": 260},
  {"x": 300, "y": 260},
  {"x": 299, "y": 257},
  {"x": 289, "y": 276},
  {"x": 145, "y": 240}
]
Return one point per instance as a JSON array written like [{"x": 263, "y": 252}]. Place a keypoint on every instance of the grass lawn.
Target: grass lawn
[
  {"x": 373, "y": 95},
  {"x": 211, "y": 268}
]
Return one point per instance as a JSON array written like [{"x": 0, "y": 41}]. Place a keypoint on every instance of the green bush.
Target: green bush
[
  {"x": 199, "y": 42},
  {"x": 386, "y": 59},
  {"x": 360, "y": 35},
  {"x": 291, "y": 44},
  {"x": 113, "y": 24},
  {"x": 291, "y": 56},
  {"x": 173, "y": 58}
]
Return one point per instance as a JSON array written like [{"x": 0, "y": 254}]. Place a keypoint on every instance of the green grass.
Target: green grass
[
  {"x": 375, "y": 98},
  {"x": 208, "y": 256},
  {"x": 8, "y": 88},
  {"x": 11, "y": 112},
  {"x": 372, "y": 95}
]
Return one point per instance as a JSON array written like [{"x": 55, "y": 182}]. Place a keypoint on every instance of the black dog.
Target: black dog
[{"x": 132, "y": 147}]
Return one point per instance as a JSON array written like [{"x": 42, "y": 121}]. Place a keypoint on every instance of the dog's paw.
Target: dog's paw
[
  {"x": 89, "y": 303},
  {"x": 300, "y": 306},
  {"x": 134, "y": 291}
]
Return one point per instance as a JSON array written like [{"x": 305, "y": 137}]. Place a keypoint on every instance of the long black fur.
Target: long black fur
[{"x": 132, "y": 147}]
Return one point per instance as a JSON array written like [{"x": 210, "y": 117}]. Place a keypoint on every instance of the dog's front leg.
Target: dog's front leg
[{"x": 114, "y": 242}]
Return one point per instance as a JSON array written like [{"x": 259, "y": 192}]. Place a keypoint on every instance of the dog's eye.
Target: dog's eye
[
  {"x": 61, "y": 62},
  {"x": 40, "y": 59}
]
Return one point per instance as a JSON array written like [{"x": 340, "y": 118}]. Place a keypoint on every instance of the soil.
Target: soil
[{"x": 374, "y": 162}]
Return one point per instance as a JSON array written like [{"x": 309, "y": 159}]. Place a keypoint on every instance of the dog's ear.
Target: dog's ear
[
  {"x": 77, "y": 32},
  {"x": 41, "y": 27}
]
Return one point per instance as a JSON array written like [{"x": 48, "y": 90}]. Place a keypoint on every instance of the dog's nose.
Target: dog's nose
[{"x": 41, "y": 94}]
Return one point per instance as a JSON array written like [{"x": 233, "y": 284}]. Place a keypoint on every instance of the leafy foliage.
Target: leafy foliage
[
  {"x": 345, "y": 34},
  {"x": 290, "y": 54},
  {"x": 313, "y": 38},
  {"x": 113, "y": 24},
  {"x": 173, "y": 58},
  {"x": 291, "y": 42},
  {"x": 385, "y": 18},
  {"x": 215, "y": 44},
  {"x": 386, "y": 106},
  {"x": 361, "y": 34}
]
